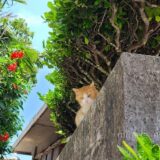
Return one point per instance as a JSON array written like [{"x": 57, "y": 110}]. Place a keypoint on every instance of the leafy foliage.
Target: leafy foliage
[
  {"x": 58, "y": 102},
  {"x": 8, "y": 2},
  {"x": 145, "y": 150},
  {"x": 18, "y": 67},
  {"x": 88, "y": 36}
]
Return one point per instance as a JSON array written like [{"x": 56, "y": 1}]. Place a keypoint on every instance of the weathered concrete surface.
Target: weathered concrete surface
[{"x": 128, "y": 102}]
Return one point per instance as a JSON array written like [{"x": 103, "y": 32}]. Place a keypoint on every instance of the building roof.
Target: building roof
[
  {"x": 39, "y": 134},
  {"x": 11, "y": 159}
]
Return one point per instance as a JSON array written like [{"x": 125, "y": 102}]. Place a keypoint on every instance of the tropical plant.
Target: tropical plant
[
  {"x": 86, "y": 39},
  {"x": 18, "y": 67},
  {"x": 146, "y": 149}
]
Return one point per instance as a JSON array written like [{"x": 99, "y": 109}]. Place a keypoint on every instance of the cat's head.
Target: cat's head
[{"x": 86, "y": 94}]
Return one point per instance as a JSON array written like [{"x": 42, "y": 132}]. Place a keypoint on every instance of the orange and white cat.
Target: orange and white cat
[{"x": 85, "y": 96}]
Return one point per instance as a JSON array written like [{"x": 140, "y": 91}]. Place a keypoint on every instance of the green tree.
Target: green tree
[
  {"x": 18, "y": 67},
  {"x": 86, "y": 39}
]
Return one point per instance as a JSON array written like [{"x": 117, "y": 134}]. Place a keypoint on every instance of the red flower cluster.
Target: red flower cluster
[
  {"x": 17, "y": 54},
  {"x": 12, "y": 67},
  {"x": 4, "y": 138}
]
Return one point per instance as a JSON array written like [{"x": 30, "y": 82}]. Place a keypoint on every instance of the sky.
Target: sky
[{"x": 32, "y": 13}]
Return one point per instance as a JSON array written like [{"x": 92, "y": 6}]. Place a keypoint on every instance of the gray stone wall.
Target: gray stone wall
[{"x": 128, "y": 102}]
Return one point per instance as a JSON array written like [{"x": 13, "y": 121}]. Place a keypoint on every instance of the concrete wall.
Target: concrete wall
[{"x": 128, "y": 102}]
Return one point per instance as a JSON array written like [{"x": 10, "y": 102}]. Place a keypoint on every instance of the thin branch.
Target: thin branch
[
  {"x": 98, "y": 67},
  {"x": 91, "y": 63},
  {"x": 86, "y": 74},
  {"x": 158, "y": 51},
  {"x": 151, "y": 5},
  {"x": 102, "y": 21},
  {"x": 70, "y": 108},
  {"x": 3, "y": 33},
  {"x": 155, "y": 29},
  {"x": 133, "y": 28},
  {"x": 83, "y": 72},
  {"x": 146, "y": 28},
  {"x": 95, "y": 78},
  {"x": 141, "y": 1},
  {"x": 96, "y": 59},
  {"x": 118, "y": 32},
  {"x": 5, "y": 1},
  {"x": 107, "y": 40},
  {"x": 92, "y": 49},
  {"x": 72, "y": 72}
]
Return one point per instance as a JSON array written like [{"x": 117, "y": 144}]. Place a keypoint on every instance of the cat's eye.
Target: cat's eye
[{"x": 89, "y": 95}]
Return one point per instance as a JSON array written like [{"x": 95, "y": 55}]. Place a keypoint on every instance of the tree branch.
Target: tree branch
[
  {"x": 107, "y": 40},
  {"x": 92, "y": 49},
  {"x": 146, "y": 27},
  {"x": 118, "y": 32},
  {"x": 104, "y": 15},
  {"x": 86, "y": 74},
  {"x": 151, "y": 5},
  {"x": 98, "y": 67}
]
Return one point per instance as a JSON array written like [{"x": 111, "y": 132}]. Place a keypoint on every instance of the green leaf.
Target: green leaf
[
  {"x": 50, "y": 5},
  {"x": 152, "y": 12},
  {"x": 107, "y": 4},
  {"x": 64, "y": 141},
  {"x": 157, "y": 18},
  {"x": 156, "y": 151},
  {"x": 21, "y": 1},
  {"x": 157, "y": 38},
  {"x": 32, "y": 55},
  {"x": 60, "y": 132},
  {"x": 3, "y": 60},
  {"x": 86, "y": 40},
  {"x": 97, "y": 2},
  {"x": 145, "y": 143},
  {"x": 130, "y": 150},
  {"x": 125, "y": 153}
]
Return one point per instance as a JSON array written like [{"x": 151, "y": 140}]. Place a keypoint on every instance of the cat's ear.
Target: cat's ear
[
  {"x": 75, "y": 90},
  {"x": 92, "y": 84}
]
